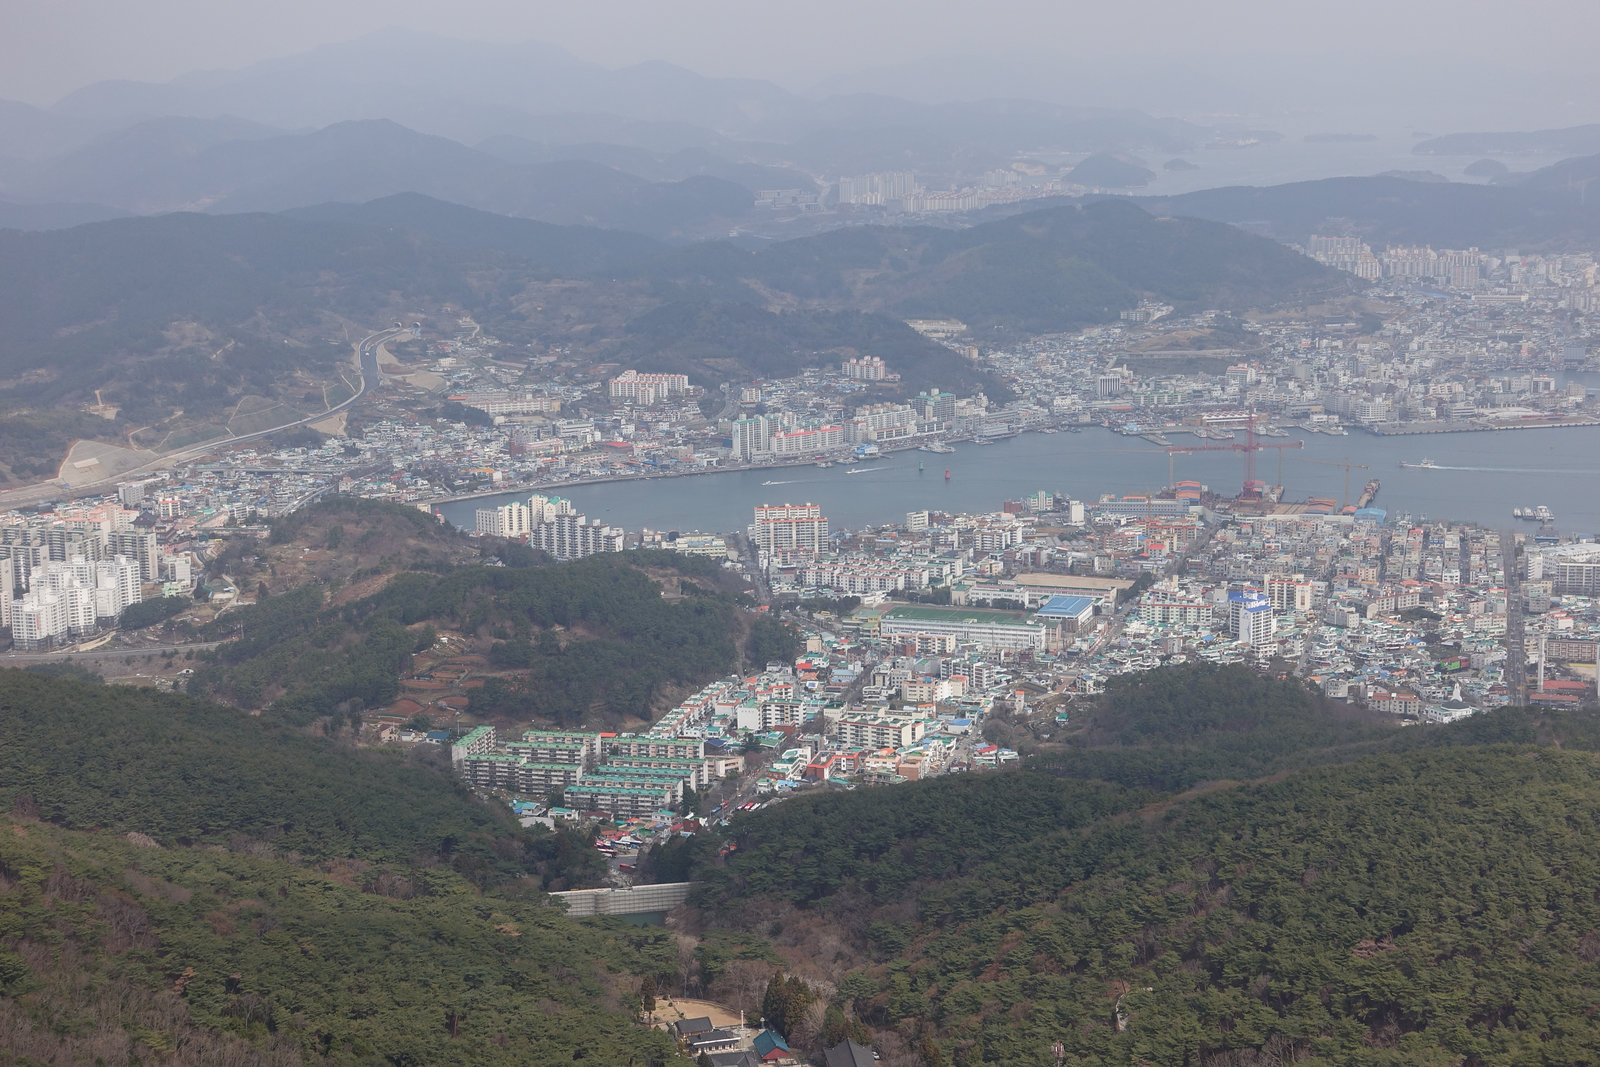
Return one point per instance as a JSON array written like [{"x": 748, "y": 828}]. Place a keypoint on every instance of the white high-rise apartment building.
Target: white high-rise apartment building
[
  {"x": 70, "y": 599},
  {"x": 569, "y": 536},
  {"x": 783, "y": 527},
  {"x": 509, "y": 520}
]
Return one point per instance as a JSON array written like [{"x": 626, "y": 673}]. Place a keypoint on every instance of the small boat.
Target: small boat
[{"x": 769, "y": 482}]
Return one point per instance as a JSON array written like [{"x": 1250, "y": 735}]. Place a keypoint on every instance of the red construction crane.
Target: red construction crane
[{"x": 1249, "y": 447}]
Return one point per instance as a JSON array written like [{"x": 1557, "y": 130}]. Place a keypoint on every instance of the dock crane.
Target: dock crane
[
  {"x": 1348, "y": 467},
  {"x": 1248, "y": 448}
]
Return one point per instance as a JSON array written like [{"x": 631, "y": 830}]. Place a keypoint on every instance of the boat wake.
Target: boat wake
[{"x": 1494, "y": 470}]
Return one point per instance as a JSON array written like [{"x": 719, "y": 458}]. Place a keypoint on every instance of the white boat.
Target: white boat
[{"x": 1544, "y": 514}]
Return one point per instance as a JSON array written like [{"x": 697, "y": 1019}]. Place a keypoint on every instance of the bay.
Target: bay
[{"x": 1479, "y": 478}]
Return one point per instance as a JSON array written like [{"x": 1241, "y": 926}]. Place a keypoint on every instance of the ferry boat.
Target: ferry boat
[{"x": 1425, "y": 465}]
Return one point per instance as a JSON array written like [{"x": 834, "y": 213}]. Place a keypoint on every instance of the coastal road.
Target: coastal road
[
  {"x": 17, "y": 659},
  {"x": 366, "y": 359},
  {"x": 1511, "y": 555}
]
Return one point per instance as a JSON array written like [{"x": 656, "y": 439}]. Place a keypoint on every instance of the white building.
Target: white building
[
  {"x": 70, "y": 599},
  {"x": 575, "y": 536},
  {"x": 646, "y": 389},
  {"x": 783, "y": 527},
  {"x": 1250, "y": 618},
  {"x": 509, "y": 520}
]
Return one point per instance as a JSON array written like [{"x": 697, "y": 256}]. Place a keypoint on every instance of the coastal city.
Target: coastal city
[
  {"x": 939, "y": 641},
  {"x": 677, "y": 536}
]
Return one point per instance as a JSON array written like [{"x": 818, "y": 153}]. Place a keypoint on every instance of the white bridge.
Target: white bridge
[{"x": 582, "y": 903}]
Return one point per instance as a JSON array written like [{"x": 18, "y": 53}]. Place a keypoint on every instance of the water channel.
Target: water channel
[{"x": 1478, "y": 477}]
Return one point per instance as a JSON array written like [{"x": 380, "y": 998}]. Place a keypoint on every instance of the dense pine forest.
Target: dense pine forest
[
  {"x": 1220, "y": 870},
  {"x": 181, "y": 883},
  {"x": 1212, "y": 868},
  {"x": 591, "y": 640}
]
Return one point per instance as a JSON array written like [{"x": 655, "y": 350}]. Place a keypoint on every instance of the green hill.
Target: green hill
[
  {"x": 595, "y": 638},
  {"x": 181, "y": 883},
  {"x": 113, "y": 952},
  {"x": 1054, "y": 269},
  {"x": 1362, "y": 895},
  {"x": 557, "y": 251},
  {"x": 185, "y": 772},
  {"x": 191, "y": 313}
]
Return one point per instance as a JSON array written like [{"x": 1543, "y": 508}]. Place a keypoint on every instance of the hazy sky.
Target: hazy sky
[{"x": 49, "y": 47}]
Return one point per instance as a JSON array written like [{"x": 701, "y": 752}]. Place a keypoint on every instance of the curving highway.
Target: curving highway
[{"x": 371, "y": 377}]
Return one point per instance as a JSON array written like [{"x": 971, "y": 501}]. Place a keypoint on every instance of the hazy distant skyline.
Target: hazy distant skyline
[{"x": 1538, "y": 51}]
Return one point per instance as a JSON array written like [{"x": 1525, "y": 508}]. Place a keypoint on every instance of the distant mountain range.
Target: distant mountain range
[
  {"x": 225, "y": 166},
  {"x": 192, "y": 311},
  {"x": 530, "y": 131},
  {"x": 1571, "y": 141},
  {"x": 1047, "y": 270},
  {"x": 1554, "y": 207}
]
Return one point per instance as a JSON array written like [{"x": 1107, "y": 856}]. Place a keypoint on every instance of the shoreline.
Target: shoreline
[
  {"x": 1420, "y": 429},
  {"x": 1377, "y": 432},
  {"x": 535, "y": 487}
]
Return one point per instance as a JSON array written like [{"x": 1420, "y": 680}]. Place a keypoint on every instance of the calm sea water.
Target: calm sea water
[
  {"x": 1294, "y": 159},
  {"x": 1480, "y": 477}
]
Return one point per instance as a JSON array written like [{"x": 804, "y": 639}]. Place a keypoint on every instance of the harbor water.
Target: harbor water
[{"x": 1478, "y": 477}]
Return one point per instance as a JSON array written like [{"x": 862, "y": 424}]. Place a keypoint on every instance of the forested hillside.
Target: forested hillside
[
  {"x": 189, "y": 773},
  {"x": 592, "y": 640},
  {"x": 194, "y": 312},
  {"x": 1323, "y": 890},
  {"x": 182, "y": 884},
  {"x": 1052, "y": 269},
  {"x": 1389, "y": 210}
]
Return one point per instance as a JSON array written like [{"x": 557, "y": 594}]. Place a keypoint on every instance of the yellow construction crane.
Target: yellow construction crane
[{"x": 1348, "y": 467}]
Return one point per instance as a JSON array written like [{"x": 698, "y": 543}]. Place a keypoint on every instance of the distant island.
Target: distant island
[
  {"x": 1175, "y": 165},
  {"x": 1110, "y": 171},
  {"x": 1570, "y": 141},
  {"x": 1338, "y": 138},
  {"x": 1491, "y": 169},
  {"x": 1414, "y": 175}
]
